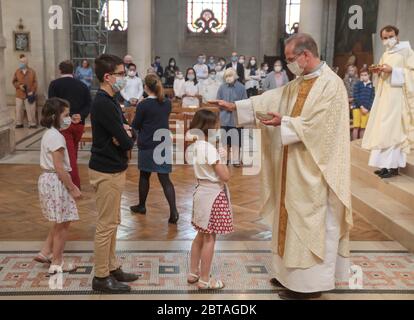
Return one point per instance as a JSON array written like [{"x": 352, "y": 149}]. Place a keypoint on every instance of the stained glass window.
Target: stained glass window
[
  {"x": 292, "y": 14},
  {"x": 116, "y": 14},
  {"x": 209, "y": 16}
]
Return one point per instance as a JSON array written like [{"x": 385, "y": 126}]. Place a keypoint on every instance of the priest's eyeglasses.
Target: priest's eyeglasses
[{"x": 294, "y": 58}]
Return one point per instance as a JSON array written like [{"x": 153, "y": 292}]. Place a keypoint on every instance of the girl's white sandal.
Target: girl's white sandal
[
  {"x": 218, "y": 285},
  {"x": 195, "y": 277}
]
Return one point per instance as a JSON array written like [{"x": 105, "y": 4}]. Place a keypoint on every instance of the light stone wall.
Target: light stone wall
[
  {"x": 48, "y": 47},
  {"x": 255, "y": 28}
]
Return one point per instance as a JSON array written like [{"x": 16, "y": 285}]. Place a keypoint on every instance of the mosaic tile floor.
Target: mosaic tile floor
[{"x": 162, "y": 272}]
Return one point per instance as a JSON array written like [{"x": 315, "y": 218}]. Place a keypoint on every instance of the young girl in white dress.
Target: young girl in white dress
[
  {"x": 212, "y": 212},
  {"x": 57, "y": 192}
]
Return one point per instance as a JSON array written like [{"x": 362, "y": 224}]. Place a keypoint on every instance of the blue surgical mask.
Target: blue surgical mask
[
  {"x": 119, "y": 84},
  {"x": 22, "y": 65},
  {"x": 234, "y": 59}
]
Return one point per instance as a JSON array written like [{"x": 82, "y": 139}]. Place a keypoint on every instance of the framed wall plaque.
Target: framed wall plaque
[{"x": 21, "y": 41}]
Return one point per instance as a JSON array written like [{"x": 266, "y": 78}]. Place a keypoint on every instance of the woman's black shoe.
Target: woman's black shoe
[
  {"x": 174, "y": 218},
  {"x": 381, "y": 172},
  {"x": 138, "y": 209},
  {"x": 109, "y": 285}
]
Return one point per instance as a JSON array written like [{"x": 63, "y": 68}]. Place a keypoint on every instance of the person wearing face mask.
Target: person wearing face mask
[
  {"x": 277, "y": 78},
  {"x": 231, "y": 91},
  {"x": 306, "y": 172},
  {"x": 179, "y": 85},
  {"x": 390, "y": 130},
  {"x": 220, "y": 69},
  {"x": 25, "y": 82},
  {"x": 134, "y": 89},
  {"x": 169, "y": 73},
  {"x": 210, "y": 87},
  {"x": 128, "y": 59},
  {"x": 84, "y": 73},
  {"x": 364, "y": 94},
  {"x": 158, "y": 67},
  {"x": 350, "y": 80},
  {"x": 252, "y": 76},
  {"x": 79, "y": 97},
  {"x": 264, "y": 71},
  {"x": 112, "y": 140},
  {"x": 57, "y": 192},
  {"x": 211, "y": 63},
  {"x": 201, "y": 69},
  {"x": 236, "y": 65},
  {"x": 191, "y": 90}
]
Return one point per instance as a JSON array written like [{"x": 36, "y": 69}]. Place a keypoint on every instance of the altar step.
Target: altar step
[
  {"x": 386, "y": 204},
  {"x": 363, "y": 156}
]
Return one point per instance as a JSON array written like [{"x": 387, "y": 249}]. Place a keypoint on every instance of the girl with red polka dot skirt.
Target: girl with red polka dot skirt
[{"x": 212, "y": 213}]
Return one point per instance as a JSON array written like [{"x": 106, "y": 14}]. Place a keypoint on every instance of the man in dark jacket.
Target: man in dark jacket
[
  {"x": 78, "y": 95},
  {"x": 237, "y": 66}
]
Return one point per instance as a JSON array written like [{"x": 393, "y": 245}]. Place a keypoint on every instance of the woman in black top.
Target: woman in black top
[
  {"x": 154, "y": 155},
  {"x": 169, "y": 73}
]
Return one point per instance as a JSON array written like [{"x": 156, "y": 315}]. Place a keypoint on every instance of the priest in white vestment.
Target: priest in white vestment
[
  {"x": 390, "y": 130},
  {"x": 305, "y": 172}
]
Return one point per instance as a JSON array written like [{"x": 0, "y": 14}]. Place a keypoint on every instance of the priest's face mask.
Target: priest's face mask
[
  {"x": 298, "y": 63},
  {"x": 389, "y": 39}
]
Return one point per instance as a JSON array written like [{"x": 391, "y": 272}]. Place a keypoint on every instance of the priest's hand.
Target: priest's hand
[
  {"x": 229, "y": 106},
  {"x": 275, "y": 122},
  {"x": 386, "y": 68}
]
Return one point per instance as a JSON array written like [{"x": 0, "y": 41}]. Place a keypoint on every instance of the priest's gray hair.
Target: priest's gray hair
[{"x": 303, "y": 41}]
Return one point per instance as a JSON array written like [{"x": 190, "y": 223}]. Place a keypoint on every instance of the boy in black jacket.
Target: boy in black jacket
[{"x": 112, "y": 141}]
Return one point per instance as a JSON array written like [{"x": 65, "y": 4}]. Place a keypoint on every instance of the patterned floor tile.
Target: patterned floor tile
[{"x": 164, "y": 272}]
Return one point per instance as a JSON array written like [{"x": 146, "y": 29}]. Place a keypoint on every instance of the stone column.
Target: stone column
[
  {"x": 7, "y": 139},
  {"x": 140, "y": 33},
  {"x": 311, "y": 19}
]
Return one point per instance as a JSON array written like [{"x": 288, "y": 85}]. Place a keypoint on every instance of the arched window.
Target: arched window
[
  {"x": 116, "y": 15},
  {"x": 292, "y": 15},
  {"x": 205, "y": 17}
]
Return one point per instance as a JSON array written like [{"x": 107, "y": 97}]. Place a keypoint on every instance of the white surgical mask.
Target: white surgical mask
[
  {"x": 253, "y": 62},
  {"x": 266, "y": 68},
  {"x": 296, "y": 69},
  {"x": 191, "y": 77},
  {"x": 390, "y": 43},
  {"x": 365, "y": 78},
  {"x": 132, "y": 73},
  {"x": 66, "y": 122},
  {"x": 180, "y": 76},
  {"x": 278, "y": 68},
  {"x": 241, "y": 61},
  {"x": 218, "y": 68},
  {"x": 212, "y": 76}
]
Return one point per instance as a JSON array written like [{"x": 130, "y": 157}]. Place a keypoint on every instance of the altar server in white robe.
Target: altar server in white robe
[
  {"x": 390, "y": 130},
  {"x": 305, "y": 172}
]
